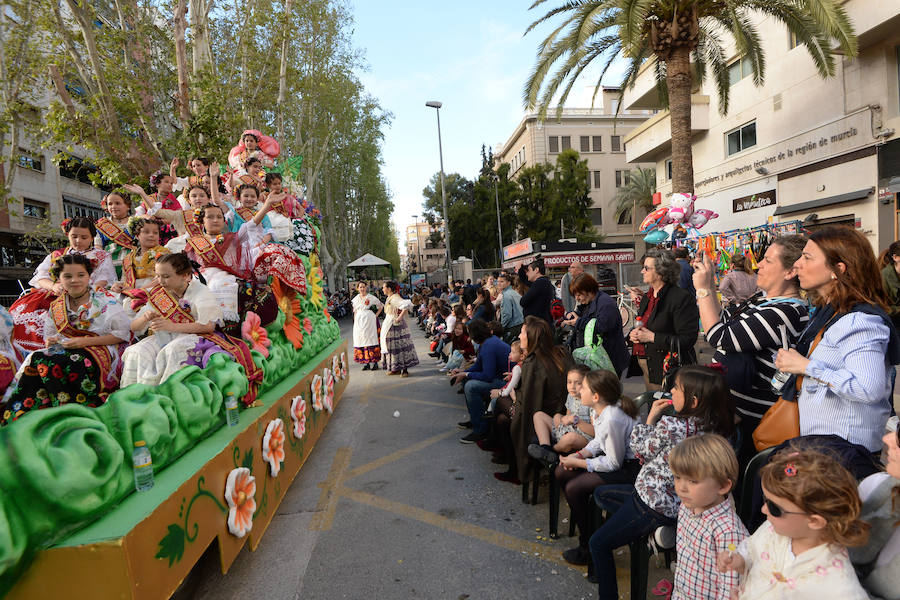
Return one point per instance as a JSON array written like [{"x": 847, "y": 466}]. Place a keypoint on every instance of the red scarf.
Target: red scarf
[{"x": 652, "y": 300}]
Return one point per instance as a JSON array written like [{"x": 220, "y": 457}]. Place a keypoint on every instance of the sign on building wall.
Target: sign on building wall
[
  {"x": 593, "y": 258},
  {"x": 520, "y": 248},
  {"x": 752, "y": 201}
]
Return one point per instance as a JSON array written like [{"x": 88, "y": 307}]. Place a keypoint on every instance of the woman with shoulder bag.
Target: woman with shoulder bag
[
  {"x": 668, "y": 319},
  {"x": 594, "y": 304},
  {"x": 841, "y": 370}
]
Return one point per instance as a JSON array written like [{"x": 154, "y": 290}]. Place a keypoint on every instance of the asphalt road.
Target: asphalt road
[{"x": 391, "y": 505}]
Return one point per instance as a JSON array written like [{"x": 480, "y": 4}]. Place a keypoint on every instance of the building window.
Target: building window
[
  {"x": 585, "y": 141},
  {"x": 554, "y": 144},
  {"x": 792, "y": 40},
  {"x": 597, "y": 217},
  {"x": 740, "y": 139},
  {"x": 739, "y": 69},
  {"x": 35, "y": 209},
  {"x": 566, "y": 142},
  {"x": 72, "y": 209},
  {"x": 30, "y": 161},
  {"x": 622, "y": 178},
  {"x": 669, "y": 170},
  {"x": 597, "y": 180},
  {"x": 616, "y": 143},
  {"x": 75, "y": 168},
  {"x": 598, "y": 143},
  {"x": 625, "y": 218}
]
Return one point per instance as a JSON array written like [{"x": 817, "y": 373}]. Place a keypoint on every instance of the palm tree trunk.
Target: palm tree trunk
[{"x": 678, "y": 82}]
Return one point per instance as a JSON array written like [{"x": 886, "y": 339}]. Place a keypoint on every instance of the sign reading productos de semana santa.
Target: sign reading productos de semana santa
[{"x": 594, "y": 258}]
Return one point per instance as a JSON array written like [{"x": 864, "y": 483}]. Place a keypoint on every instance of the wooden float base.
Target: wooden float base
[{"x": 145, "y": 547}]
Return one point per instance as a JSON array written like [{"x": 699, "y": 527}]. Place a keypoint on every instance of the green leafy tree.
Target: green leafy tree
[
  {"x": 636, "y": 195},
  {"x": 572, "y": 199},
  {"x": 677, "y": 33}
]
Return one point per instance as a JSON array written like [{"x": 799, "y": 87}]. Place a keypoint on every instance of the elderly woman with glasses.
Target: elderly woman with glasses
[{"x": 668, "y": 320}]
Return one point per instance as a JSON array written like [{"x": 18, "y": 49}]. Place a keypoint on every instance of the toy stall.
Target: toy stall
[{"x": 71, "y": 521}]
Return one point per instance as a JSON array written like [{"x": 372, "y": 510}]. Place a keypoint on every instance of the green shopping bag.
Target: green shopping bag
[{"x": 593, "y": 354}]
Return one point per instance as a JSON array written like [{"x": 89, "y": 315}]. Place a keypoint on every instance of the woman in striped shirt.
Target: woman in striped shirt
[
  {"x": 846, "y": 387},
  {"x": 753, "y": 327}
]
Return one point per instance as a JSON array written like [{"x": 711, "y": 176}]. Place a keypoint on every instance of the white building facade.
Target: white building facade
[{"x": 823, "y": 151}]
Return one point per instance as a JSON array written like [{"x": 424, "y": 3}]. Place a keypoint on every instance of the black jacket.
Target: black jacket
[
  {"x": 608, "y": 326},
  {"x": 676, "y": 321},
  {"x": 537, "y": 299}
]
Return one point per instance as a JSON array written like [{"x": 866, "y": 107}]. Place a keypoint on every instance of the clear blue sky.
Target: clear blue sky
[{"x": 469, "y": 55}]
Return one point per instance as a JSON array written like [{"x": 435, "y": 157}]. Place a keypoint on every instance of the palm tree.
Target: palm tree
[
  {"x": 676, "y": 32},
  {"x": 636, "y": 195}
]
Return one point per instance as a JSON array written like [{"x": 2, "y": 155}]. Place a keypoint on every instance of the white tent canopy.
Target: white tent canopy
[{"x": 368, "y": 260}]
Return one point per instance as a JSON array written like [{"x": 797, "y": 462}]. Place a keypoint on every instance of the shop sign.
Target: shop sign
[
  {"x": 759, "y": 200},
  {"x": 520, "y": 248},
  {"x": 594, "y": 258}
]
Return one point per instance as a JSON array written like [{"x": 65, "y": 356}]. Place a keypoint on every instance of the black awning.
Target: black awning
[{"x": 812, "y": 204}]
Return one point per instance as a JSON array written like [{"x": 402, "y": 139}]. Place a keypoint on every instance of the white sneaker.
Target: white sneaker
[{"x": 442, "y": 370}]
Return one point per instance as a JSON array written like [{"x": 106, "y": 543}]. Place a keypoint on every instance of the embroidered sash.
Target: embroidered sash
[
  {"x": 115, "y": 233},
  {"x": 190, "y": 223},
  {"x": 169, "y": 308},
  {"x": 109, "y": 380},
  {"x": 245, "y": 213},
  {"x": 207, "y": 251},
  {"x": 128, "y": 276}
]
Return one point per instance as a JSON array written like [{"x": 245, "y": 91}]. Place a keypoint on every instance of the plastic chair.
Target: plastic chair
[{"x": 748, "y": 481}]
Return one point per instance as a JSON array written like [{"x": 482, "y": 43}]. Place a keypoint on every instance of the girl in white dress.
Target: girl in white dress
[
  {"x": 366, "y": 345},
  {"x": 812, "y": 507}
]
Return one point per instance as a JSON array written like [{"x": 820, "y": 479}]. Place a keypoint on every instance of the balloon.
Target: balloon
[
  {"x": 653, "y": 220},
  {"x": 656, "y": 236},
  {"x": 701, "y": 217},
  {"x": 681, "y": 207}
]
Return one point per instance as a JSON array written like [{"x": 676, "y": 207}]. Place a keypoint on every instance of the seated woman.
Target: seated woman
[
  {"x": 112, "y": 231},
  {"x": 138, "y": 266},
  {"x": 225, "y": 259},
  {"x": 84, "y": 327},
  {"x": 844, "y": 359},
  {"x": 29, "y": 310},
  {"x": 181, "y": 314}
]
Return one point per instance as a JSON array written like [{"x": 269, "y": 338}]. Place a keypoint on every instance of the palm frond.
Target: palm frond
[{"x": 832, "y": 17}]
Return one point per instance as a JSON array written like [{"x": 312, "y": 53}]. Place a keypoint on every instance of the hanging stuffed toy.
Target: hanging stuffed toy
[{"x": 681, "y": 207}]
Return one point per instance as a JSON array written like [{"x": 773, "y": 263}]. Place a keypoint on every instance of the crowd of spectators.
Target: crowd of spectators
[{"x": 819, "y": 312}]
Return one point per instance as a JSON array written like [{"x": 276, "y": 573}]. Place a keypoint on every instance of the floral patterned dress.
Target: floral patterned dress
[
  {"x": 83, "y": 375},
  {"x": 366, "y": 346}
]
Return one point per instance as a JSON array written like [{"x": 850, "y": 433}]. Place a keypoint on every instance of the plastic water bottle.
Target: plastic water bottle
[
  {"x": 143, "y": 466},
  {"x": 780, "y": 377},
  {"x": 231, "y": 410},
  {"x": 55, "y": 349}
]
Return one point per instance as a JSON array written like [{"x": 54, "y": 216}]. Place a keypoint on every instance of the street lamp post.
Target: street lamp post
[
  {"x": 437, "y": 109},
  {"x": 499, "y": 231}
]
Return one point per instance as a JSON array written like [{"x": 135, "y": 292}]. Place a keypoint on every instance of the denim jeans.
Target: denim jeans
[
  {"x": 630, "y": 520},
  {"x": 475, "y": 391}
]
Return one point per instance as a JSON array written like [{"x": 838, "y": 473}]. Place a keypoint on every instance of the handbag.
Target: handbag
[
  {"x": 782, "y": 421},
  {"x": 593, "y": 354},
  {"x": 673, "y": 361}
]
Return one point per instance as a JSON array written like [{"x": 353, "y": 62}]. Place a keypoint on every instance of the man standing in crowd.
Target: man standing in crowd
[
  {"x": 568, "y": 300},
  {"x": 536, "y": 301},
  {"x": 685, "y": 280},
  {"x": 510, "y": 311}
]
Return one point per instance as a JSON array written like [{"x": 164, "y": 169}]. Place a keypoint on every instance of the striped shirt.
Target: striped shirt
[
  {"x": 847, "y": 388},
  {"x": 753, "y": 327}
]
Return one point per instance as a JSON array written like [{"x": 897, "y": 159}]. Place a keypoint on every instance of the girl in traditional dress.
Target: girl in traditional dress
[
  {"x": 84, "y": 327},
  {"x": 252, "y": 173},
  {"x": 112, "y": 231},
  {"x": 396, "y": 342},
  {"x": 29, "y": 310},
  {"x": 201, "y": 176},
  {"x": 181, "y": 313},
  {"x": 225, "y": 258},
  {"x": 183, "y": 220},
  {"x": 246, "y": 208},
  {"x": 284, "y": 210},
  {"x": 162, "y": 198},
  {"x": 366, "y": 347},
  {"x": 138, "y": 266},
  {"x": 256, "y": 145}
]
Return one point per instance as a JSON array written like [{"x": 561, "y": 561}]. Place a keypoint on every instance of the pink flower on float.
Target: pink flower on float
[
  {"x": 273, "y": 445},
  {"x": 253, "y": 331},
  {"x": 240, "y": 488},
  {"x": 298, "y": 416},
  {"x": 328, "y": 400},
  {"x": 307, "y": 325}
]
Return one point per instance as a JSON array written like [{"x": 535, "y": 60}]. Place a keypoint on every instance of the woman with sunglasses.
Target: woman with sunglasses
[
  {"x": 668, "y": 320},
  {"x": 812, "y": 509},
  {"x": 878, "y": 562}
]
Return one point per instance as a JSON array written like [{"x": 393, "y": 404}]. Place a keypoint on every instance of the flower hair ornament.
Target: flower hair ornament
[
  {"x": 155, "y": 178},
  {"x": 134, "y": 224},
  {"x": 790, "y": 470},
  {"x": 64, "y": 225},
  {"x": 718, "y": 368}
]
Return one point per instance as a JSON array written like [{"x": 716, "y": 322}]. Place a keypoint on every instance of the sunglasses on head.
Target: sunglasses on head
[{"x": 778, "y": 512}]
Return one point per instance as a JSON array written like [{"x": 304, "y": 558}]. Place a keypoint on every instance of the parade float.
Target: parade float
[{"x": 71, "y": 522}]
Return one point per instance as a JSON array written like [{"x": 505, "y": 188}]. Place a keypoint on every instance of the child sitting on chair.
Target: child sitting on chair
[{"x": 564, "y": 433}]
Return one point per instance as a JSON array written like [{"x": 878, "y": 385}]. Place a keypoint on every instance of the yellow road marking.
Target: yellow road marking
[
  {"x": 328, "y": 499},
  {"x": 384, "y": 460}
]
